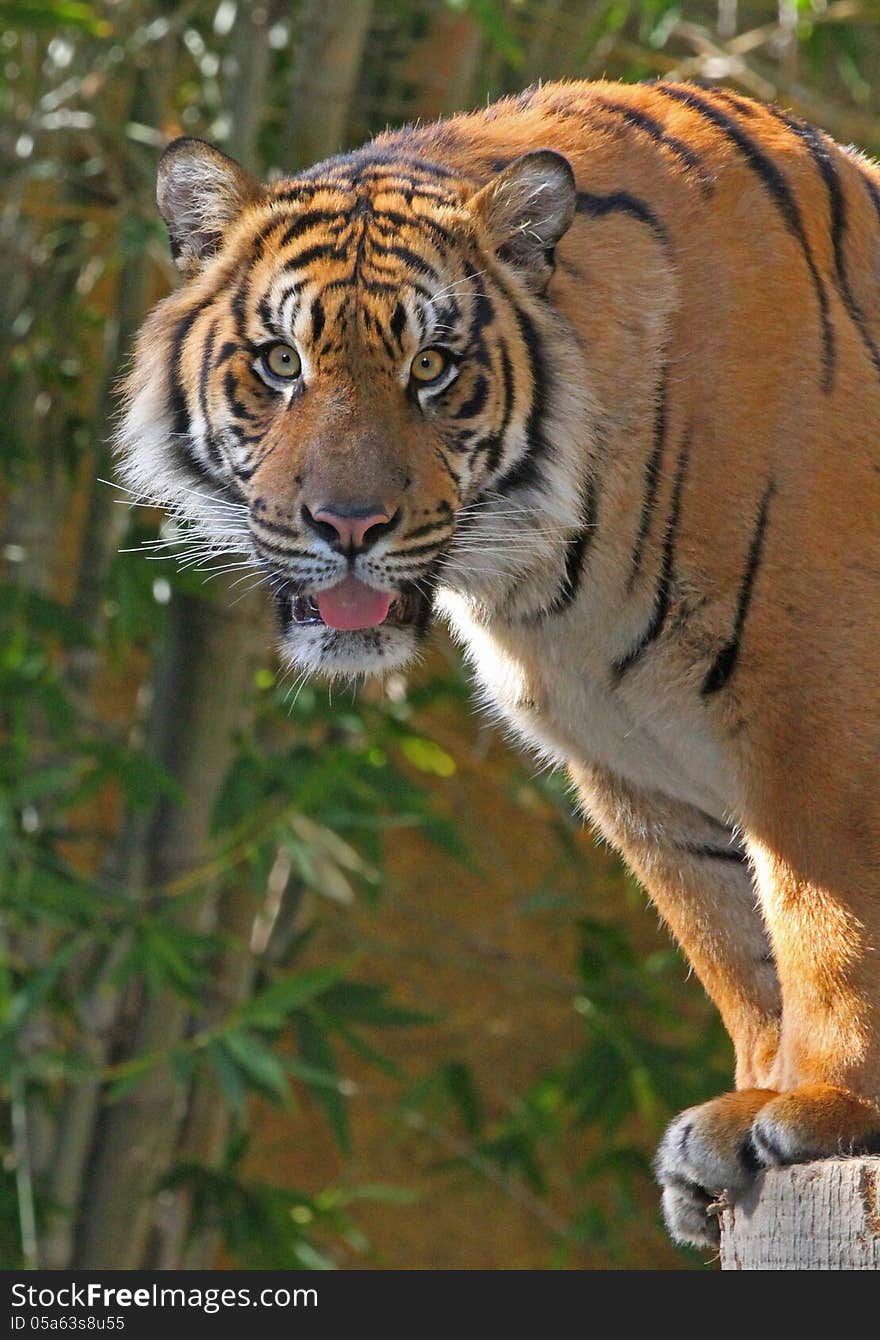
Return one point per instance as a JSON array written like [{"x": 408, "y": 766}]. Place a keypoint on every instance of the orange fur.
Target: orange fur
[{"x": 657, "y": 537}]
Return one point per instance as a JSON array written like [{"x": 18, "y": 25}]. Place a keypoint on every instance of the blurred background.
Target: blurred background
[{"x": 290, "y": 981}]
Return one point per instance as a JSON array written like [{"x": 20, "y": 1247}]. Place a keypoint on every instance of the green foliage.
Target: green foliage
[
  {"x": 89, "y": 940},
  {"x": 52, "y": 14},
  {"x": 297, "y": 802},
  {"x": 268, "y": 1228},
  {"x": 640, "y": 1061}
]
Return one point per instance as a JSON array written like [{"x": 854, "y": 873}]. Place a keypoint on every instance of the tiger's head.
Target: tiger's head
[{"x": 362, "y": 384}]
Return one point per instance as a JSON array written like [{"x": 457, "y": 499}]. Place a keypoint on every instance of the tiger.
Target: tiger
[{"x": 592, "y": 375}]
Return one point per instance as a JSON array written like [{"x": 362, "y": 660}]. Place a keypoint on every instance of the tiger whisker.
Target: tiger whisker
[
  {"x": 227, "y": 567},
  {"x": 143, "y": 499},
  {"x": 456, "y": 283}
]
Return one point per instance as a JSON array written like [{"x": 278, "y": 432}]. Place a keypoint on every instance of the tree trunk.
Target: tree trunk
[
  {"x": 443, "y": 66},
  {"x": 205, "y": 1128},
  {"x": 817, "y": 1216},
  {"x": 331, "y": 43},
  {"x": 197, "y": 713}
]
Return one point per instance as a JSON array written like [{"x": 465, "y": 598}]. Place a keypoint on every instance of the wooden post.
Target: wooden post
[{"x": 817, "y": 1216}]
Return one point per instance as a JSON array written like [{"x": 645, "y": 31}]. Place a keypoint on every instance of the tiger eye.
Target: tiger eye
[
  {"x": 283, "y": 362},
  {"x": 428, "y": 365}
]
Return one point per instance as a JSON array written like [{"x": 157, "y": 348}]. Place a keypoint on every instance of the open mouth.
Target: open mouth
[{"x": 353, "y": 610}]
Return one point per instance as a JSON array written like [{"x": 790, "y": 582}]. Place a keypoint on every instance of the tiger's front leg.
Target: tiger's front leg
[
  {"x": 698, "y": 877},
  {"x": 824, "y": 1097}
]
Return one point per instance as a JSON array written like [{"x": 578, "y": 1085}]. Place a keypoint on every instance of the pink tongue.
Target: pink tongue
[{"x": 351, "y": 604}]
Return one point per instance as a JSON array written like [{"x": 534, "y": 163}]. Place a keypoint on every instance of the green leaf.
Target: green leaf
[
  {"x": 228, "y": 1074},
  {"x": 52, "y": 14},
  {"x": 127, "y": 1075},
  {"x": 364, "y": 1003},
  {"x": 459, "y": 1083},
  {"x": 316, "y": 1050},
  {"x": 39, "y": 985},
  {"x": 427, "y": 756},
  {"x": 273, "y": 1006},
  {"x": 311, "y": 1074},
  {"x": 259, "y": 1065}
]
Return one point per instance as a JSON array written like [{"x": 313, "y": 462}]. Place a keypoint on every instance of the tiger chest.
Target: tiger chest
[{"x": 557, "y": 695}]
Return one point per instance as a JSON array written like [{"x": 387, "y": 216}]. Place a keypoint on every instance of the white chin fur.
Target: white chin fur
[{"x": 371, "y": 651}]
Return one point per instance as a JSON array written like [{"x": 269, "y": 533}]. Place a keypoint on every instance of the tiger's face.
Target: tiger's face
[{"x": 352, "y": 387}]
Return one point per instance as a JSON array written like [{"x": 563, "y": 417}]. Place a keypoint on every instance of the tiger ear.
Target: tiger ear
[
  {"x": 526, "y": 209},
  {"x": 199, "y": 192}
]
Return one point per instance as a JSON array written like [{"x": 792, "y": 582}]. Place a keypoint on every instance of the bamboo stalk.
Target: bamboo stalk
[
  {"x": 197, "y": 713},
  {"x": 332, "y": 34}
]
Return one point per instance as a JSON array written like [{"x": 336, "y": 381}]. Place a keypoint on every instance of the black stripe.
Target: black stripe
[
  {"x": 346, "y": 281},
  {"x": 495, "y": 445},
  {"x": 317, "y": 319},
  {"x": 662, "y": 596},
  {"x": 238, "y": 407},
  {"x": 207, "y": 354},
  {"x": 298, "y": 190},
  {"x": 705, "y": 852},
  {"x": 725, "y": 662},
  {"x": 226, "y": 352},
  {"x": 320, "y": 251},
  {"x": 389, "y": 220},
  {"x": 872, "y": 187},
  {"x": 449, "y": 470},
  {"x": 290, "y": 291},
  {"x": 214, "y": 452},
  {"x": 401, "y": 169},
  {"x": 449, "y": 315},
  {"x": 822, "y": 155},
  {"x": 264, "y": 312},
  {"x": 780, "y": 192},
  {"x": 652, "y": 479},
  {"x": 575, "y": 554},
  {"x": 177, "y": 401},
  {"x": 482, "y": 316},
  {"x": 477, "y": 401},
  {"x": 527, "y": 469},
  {"x": 239, "y": 303},
  {"x": 427, "y": 529},
  {"x": 404, "y": 254},
  {"x": 398, "y": 322},
  {"x": 274, "y": 528},
  {"x": 409, "y": 189},
  {"x": 386, "y": 343},
  {"x": 258, "y": 242},
  {"x": 416, "y": 549},
  {"x": 621, "y": 202},
  {"x": 688, "y": 157},
  {"x": 311, "y": 219},
  {"x": 741, "y": 105},
  {"x": 279, "y": 550},
  {"x": 381, "y": 285}
]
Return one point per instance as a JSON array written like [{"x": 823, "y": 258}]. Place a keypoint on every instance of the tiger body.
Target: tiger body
[{"x": 643, "y": 489}]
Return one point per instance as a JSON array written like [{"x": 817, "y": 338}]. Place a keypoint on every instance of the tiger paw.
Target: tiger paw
[
  {"x": 815, "y": 1121},
  {"x": 722, "y": 1145},
  {"x": 707, "y": 1150}
]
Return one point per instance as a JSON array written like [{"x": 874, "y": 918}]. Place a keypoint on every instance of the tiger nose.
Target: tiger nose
[{"x": 349, "y": 530}]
